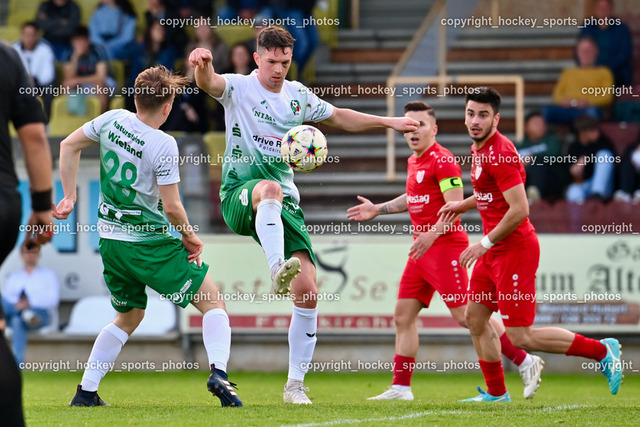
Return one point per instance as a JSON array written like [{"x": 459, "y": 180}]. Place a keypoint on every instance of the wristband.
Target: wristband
[
  {"x": 41, "y": 200},
  {"x": 486, "y": 243}
]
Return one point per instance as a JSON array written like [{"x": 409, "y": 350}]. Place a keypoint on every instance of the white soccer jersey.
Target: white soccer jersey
[
  {"x": 256, "y": 120},
  {"x": 134, "y": 160}
]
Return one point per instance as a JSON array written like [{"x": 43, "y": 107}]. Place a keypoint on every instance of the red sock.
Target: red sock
[
  {"x": 494, "y": 377},
  {"x": 403, "y": 369},
  {"x": 513, "y": 353},
  {"x": 587, "y": 347}
]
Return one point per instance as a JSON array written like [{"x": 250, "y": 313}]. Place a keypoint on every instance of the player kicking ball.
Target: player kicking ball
[
  {"x": 138, "y": 183},
  {"x": 259, "y": 197},
  {"x": 433, "y": 178},
  {"x": 507, "y": 258}
]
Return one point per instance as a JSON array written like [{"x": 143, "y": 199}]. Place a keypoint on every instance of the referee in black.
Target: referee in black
[{"x": 22, "y": 108}]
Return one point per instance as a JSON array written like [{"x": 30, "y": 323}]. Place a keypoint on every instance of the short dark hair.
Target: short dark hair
[
  {"x": 274, "y": 37},
  {"x": 80, "y": 31},
  {"x": 585, "y": 122},
  {"x": 485, "y": 95},
  {"x": 30, "y": 24},
  {"x": 420, "y": 106},
  {"x": 155, "y": 86},
  {"x": 532, "y": 114}
]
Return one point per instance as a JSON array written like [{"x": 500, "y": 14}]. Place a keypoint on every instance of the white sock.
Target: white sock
[
  {"x": 270, "y": 230},
  {"x": 401, "y": 387},
  {"x": 105, "y": 351},
  {"x": 526, "y": 362},
  {"x": 216, "y": 335},
  {"x": 304, "y": 322}
]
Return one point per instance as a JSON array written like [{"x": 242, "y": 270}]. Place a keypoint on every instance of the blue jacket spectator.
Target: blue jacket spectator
[
  {"x": 614, "y": 42},
  {"x": 113, "y": 26},
  {"x": 58, "y": 19}
]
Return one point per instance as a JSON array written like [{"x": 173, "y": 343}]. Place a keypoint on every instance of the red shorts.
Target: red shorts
[
  {"x": 438, "y": 270},
  {"x": 505, "y": 280}
]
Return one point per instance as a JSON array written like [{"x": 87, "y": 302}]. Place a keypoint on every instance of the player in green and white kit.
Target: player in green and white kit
[
  {"x": 258, "y": 195},
  {"x": 139, "y": 184}
]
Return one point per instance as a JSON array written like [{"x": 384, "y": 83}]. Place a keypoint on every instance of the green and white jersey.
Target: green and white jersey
[
  {"x": 134, "y": 160},
  {"x": 256, "y": 120}
]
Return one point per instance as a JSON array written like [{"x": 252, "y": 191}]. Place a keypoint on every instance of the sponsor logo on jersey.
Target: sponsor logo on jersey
[
  {"x": 116, "y": 139},
  {"x": 420, "y": 176},
  {"x": 236, "y": 152},
  {"x": 262, "y": 117},
  {"x": 295, "y": 107},
  {"x": 235, "y": 131},
  {"x": 268, "y": 144},
  {"x": 423, "y": 198},
  {"x": 484, "y": 197}
]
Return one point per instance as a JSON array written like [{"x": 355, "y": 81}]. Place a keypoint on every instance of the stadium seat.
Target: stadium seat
[
  {"x": 539, "y": 216},
  {"x": 621, "y": 134},
  {"x": 159, "y": 318},
  {"x": 89, "y": 315},
  {"x": 21, "y": 11},
  {"x": 87, "y": 7},
  {"x": 118, "y": 74},
  {"x": 63, "y": 123},
  {"x": 10, "y": 33}
]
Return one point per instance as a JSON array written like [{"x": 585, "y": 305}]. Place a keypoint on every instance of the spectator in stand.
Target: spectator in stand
[
  {"x": 29, "y": 299},
  {"x": 629, "y": 175},
  {"x": 571, "y": 94},
  {"x": 87, "y": 65},
  {"x": 241, "y": 59},
  {"x": 245, "y": 9},
  {"x": 58, "y": 19},
  {"x": 592, "y": 172},
  {"x": 158, "y": 50},
  {"x": 193, "y": 112},
  {"x": 206, "y": 37},
  {"x": 113, "y": 27},
  {"x": 158, "y": 12},
  {"x": 545, "y": 178},
  {"x": 38, "y": 59},
  {"x": 305, "y": 33},
  {"x": 614, "y": 42}
]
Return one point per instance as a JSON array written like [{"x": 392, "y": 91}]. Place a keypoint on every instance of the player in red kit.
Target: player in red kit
[
  {"x": 507, "y": 258},
  {"x": 433, "y": 178}
]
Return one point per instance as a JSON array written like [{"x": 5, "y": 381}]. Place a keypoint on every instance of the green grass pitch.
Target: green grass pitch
[{"x": 181, "y": 398}]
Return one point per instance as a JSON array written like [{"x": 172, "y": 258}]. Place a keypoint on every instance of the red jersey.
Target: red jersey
[
  {"x": 436, "y": 169},
  {"x": 496, "y": 168}
]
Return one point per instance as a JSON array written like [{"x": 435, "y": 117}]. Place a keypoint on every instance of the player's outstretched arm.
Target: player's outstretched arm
[
  {"x": 206, "y": 77},
  {"x": 354, "y": 121},
  {"x": 177, "y": 216},
  {"x": 457, "y": 207},
  {"x": 70, "y": 149},
  {"x": 367, "y": 210},
  {"x": 37, "y": 155}
]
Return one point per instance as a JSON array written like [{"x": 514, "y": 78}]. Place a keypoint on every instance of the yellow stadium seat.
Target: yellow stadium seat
[
  {"x": 216, "y": 145},
  {"x": 118, "y": 73},
  {"x": 63, "y": 123},
  {"x": 232, "y": 34},
  {"x": 87, "y": 7},
  {"x": 10, "y": 33}
]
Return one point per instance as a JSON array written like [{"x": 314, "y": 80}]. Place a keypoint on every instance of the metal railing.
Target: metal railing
[{"x": 439, "y": 10}]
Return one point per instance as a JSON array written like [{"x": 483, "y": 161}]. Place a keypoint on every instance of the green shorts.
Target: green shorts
[
  {"x": 238, "y": 213},
  {"x": 160, "y": 264}
]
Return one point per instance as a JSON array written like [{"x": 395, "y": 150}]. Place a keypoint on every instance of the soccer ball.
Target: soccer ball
[{"x": 304, "y": 148}]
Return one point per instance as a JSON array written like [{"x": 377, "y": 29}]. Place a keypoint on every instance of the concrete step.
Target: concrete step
[
  {"x": 347, "y": 73},
  {"x": 510, "y": 53},
  {"x": 368, "y": 54},
  {"x": 478, "y": 38}
]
